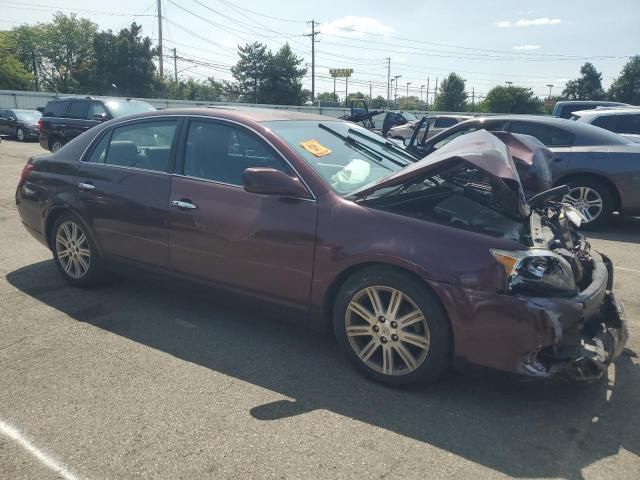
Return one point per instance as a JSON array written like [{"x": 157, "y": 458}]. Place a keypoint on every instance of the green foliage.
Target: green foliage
[
  {"x": 626, "y": 88},
  {"x": 124, "y": 60},
  {"x": 378, "y": 102},
  {"x": 511, "y": 100},
  {"x": 209, "y": 90},
  {"x": 13, "y": 74},
  {"x": 250, "y": 73},
  {"x": 284, "y": 78},
  {"x": 327, "y": 97},
  {"x": 587, "y": 87},
  {"x": 452, "y": 95},
  {"x": 63, "y": 49},
  {"x": 411, "y": 103}
]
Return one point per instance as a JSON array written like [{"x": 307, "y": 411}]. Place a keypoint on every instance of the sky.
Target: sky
[{"x": 488, "y": 42}]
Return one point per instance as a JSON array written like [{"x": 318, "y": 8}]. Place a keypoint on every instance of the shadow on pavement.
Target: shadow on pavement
[
  {"x": 519, "y": 429},
  {"x": 620, "y": 229}
]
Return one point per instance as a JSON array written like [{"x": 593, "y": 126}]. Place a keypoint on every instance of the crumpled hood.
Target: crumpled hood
[{"x": 481, "y": 149}]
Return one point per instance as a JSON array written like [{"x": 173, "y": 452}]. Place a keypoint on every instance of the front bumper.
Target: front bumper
[{"x": 540, "y": 337}]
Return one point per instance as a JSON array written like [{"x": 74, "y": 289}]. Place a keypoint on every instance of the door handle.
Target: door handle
[
  {"x": 184, "y": 204},
  {"x": 556, "y": 158},
  {"x": 86, "y": 186}
]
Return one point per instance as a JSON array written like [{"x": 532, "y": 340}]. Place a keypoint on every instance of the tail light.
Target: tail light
[{"x": 28, "y": 168}]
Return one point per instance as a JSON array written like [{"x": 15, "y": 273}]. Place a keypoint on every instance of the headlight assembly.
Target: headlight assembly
[{"x": 537, "y": 272}]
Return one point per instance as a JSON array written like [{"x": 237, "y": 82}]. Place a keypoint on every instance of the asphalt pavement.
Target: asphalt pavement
[{"x": 134, "y": 380}]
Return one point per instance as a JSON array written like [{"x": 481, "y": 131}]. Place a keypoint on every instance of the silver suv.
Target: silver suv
[{"x": 622, "y": 120}]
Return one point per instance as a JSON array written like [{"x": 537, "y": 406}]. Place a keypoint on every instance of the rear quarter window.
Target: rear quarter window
[
  {"x": 55, "y": 109},
  {"x": 550, "y": 136}
]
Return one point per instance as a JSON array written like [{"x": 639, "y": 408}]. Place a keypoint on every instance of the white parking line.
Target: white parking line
[
  {"x": 628, "y": 269},
  {"x": 12, "y": 433}
]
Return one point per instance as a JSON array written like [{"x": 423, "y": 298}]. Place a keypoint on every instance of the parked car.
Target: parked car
[
  {"x": 601, "y": 167},
  {"x": 66, "y": 118},
  {"x": 565, "y": 108},
  {"x": 20, "y": 124},
  {"x": 388, "y": 119},
  {"x": 412, "y": 263},
  {"x": 622, "y": 120},
  {"x": 437, "y": 123}
]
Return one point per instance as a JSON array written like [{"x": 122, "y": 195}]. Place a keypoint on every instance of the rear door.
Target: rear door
[
  {"x": 4, "y": 122},
  {"x": 76, "y": 119},
  {"x": 221, "y": 234},
  {"x": 559, "y": 141},
  {"x": 124, "y": 183}
]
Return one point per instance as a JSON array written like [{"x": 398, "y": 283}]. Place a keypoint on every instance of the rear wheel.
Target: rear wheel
[
  {"x": 56, "y": 145},
  {"x": 75, "y": 254},
  {"x": 593, "y": 198},
  {"x": 20, "y": 134},
  {"x": 392, "y": 328}
]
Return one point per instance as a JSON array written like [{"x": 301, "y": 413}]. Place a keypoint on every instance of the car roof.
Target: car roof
[
  {"x": 239, "y": 113},
  {"x": 588, "y": 102},
  {"x": 608, "y": 111}
]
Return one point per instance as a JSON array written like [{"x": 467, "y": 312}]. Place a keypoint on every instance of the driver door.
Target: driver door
[{"x": 220, "y": 234}]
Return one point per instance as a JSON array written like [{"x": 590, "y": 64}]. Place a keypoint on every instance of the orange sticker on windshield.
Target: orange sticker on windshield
[{"x": 315, "y": 148}]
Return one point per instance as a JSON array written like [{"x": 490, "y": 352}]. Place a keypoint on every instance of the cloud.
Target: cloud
[
  {"x": 526, "y": 47},
  {"x": 355, "y": 26},
  {"x": 528, "y": 22}
]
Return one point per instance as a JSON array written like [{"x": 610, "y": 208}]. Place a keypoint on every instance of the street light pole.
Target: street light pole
[
  {"x": 395, "y": 93},
  {"x": 550, "y": 85},
  {"x": 421, "y": 87},
  {"x": 509, "y": 83}
]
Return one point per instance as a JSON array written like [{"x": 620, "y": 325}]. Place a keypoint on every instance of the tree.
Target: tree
[
  {"x": 452, "y": 96},
  {"x": 511, "y": 100},
  {"x": 378, "y": 102},
  {"x": 283, "y": 83},
  {"x": 626, "y": 88},
  {"x": 190, "y": 89},
  {"x": 13, "y": 74},
  {"x": 250, "y": 73},
  {"x": 587, "y": 87},
  {"x": 305, "y": 96},
  {"x": 124, "y": 60},
  {"x": 326, "y": 97},
  {"x": 410, "y": 103},
  {"x": 63, "y": 50}
]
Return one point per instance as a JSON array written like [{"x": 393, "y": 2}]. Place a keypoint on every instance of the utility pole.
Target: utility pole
[
  {"x": 175, "y": 65},
  {"x": 313, "y": 57},
  {"x": 160, "y": 62},
  {"x": 426, "y": 106},
  {"x": 550, "y": 85},
  {"x": 388, "y": 81},
  {"x": 395, "y": 93},
  {"x": 346, "y": 92},
  {"x": 335, "y": 99},
  {"x": 435, "y": 92},
  {"x": 508, "y": 83},
  {"x": 369, "y": 94},
  {"x": 473, "y": 95},
  {"x": 35, "y": 69}
]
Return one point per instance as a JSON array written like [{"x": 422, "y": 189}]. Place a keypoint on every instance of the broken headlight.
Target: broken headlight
[{"x": 537, "y": 272}]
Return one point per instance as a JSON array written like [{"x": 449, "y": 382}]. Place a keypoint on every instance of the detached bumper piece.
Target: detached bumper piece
[{"x": 601, "y": 340}]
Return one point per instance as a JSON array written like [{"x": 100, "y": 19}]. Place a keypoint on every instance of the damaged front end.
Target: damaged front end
[{"x": 500, "y": 185}]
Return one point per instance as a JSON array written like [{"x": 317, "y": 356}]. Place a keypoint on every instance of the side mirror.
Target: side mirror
[
  {"x": 406, "y": 141},
  {"x": 269, "y": 181},
  {"x": 100, "y": 117},
  {"x": 12, "y": 119}
]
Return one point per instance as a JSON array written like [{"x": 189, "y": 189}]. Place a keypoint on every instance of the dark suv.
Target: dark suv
[{"x": 65, "y": 118}]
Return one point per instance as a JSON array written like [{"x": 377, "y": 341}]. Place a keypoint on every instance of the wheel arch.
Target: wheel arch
[
  {"x": 342, "y": 277},
  {"x": 53, "y": 216},
  {"x": 594, "y": 176}
]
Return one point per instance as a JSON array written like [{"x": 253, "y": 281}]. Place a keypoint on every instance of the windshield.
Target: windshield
[
  {"x": 28, "y": 116},
  {"x": 345, "y": 155},
  {"x": 120, "y": 108},
  {"x": 409, "y": 116}
]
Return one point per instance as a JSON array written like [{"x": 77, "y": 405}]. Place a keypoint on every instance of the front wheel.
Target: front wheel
[
  {"x": 593, "y": 199},
  {"x": 75, "y": 254},
  {"x": 20, "y": 134},
  {"x": 392, "y": 328}
]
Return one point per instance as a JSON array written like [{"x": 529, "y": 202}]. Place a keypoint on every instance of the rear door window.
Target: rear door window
[
  {"x": 550, "y": 136},
  {"x": 628, "y": 124},
  {"x": 144, "y": 145},
  {"x": 78, "y": 110},
  {"x": 445, "y": 122},
  {"x": 608, "y": 122},
  {"x": 56, "y": 109}
]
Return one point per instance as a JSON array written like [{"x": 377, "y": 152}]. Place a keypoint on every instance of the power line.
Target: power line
[
  {"x": 262, "y": 14},
  {"x": 41, "y": 7}
]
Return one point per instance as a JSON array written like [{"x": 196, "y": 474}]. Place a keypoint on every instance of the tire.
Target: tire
[
  {"x": 591, "y": 190},
  {"x": 81, "y": 267},
  {"x": 20, "y": 134},
  {"x": 426, "y": 336},
  {"x": 55, "y": 145}
]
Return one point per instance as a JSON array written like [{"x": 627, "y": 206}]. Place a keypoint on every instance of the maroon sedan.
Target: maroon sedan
[{"x": 413, "y": 263}]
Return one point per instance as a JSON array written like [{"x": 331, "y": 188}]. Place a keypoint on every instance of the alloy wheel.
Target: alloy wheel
[
  {"x": 20, "y": 135},
  {"x": 57, "y": 145},
  {"x": 586, "y": 200},
  {"x": 387, "y": 330},
  {"x": 72, "y": 250}
]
